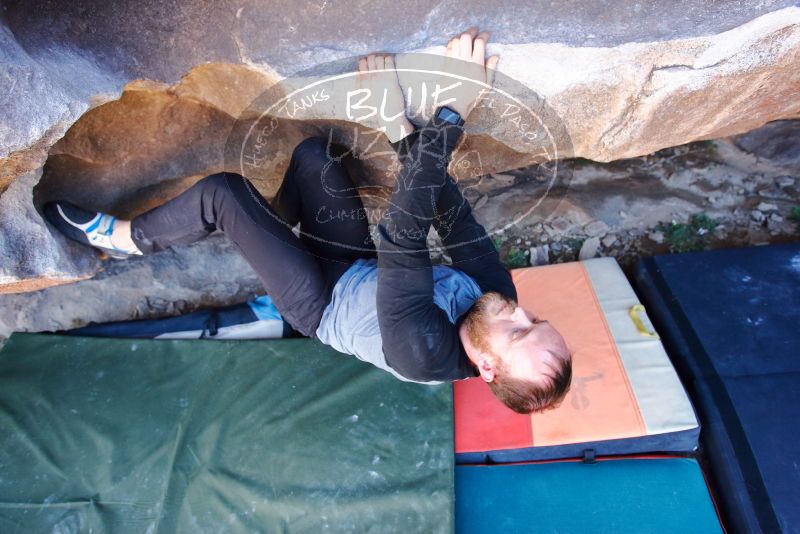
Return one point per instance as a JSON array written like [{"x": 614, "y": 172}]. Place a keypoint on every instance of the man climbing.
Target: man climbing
[{"x": 381, "y": 301}]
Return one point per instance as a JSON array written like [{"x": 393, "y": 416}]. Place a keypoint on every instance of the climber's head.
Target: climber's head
[{"x": 523, "y": 358}]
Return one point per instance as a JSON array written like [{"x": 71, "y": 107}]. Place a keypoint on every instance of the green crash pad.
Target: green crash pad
[
  {"x": 115, "y": 435},
  {"x": 664, "y": 495}
]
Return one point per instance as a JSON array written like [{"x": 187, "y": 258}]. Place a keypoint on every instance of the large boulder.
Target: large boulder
[
  {"x": 611, "y": 67},
  {"x": 620, "y": 81}
]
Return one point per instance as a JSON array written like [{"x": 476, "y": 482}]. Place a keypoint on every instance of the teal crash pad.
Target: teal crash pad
[
  {"x": 114, "y": 435},
  {"x": 659, "y": 496}
]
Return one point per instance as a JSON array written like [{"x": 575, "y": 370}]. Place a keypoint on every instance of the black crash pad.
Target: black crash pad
[
  {"x": 116, "y": 435},
  {"x": 730, "y": 319}
]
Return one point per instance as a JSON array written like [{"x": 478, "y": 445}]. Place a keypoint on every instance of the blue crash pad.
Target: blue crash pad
[{"x": 610, "y": 496}]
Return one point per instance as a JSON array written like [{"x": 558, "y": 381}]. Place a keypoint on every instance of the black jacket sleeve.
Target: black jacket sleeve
[
  {"x": 467, "y": 243},
  {"x": 464, "y": 239},
  {"x": 403, "y": 146},
  {"x": 419, "y": 342}
]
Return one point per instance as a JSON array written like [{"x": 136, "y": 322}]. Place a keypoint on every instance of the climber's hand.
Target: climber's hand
[
  {"x": 466, "y": 57},
  {"x": 382, "y": 96}
]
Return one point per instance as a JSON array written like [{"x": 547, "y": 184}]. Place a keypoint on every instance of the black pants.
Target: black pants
[{"x": 298, "y": 273}]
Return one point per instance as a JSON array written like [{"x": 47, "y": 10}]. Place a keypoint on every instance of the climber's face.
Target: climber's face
[{"x": 506, "y": 337}]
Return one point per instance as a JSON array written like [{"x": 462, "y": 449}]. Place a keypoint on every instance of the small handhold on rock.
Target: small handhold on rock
[
  {"x": 757, "y": 216},
  {"x": 589, "y": 248}
]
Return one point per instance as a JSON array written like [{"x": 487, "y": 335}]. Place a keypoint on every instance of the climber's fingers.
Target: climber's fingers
[
  {"x": 465, "y": 43},
  {"x": 479, "y": 48}
]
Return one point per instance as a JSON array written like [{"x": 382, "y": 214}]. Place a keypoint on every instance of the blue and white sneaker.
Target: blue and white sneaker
[{"x": 87, "y": 227}]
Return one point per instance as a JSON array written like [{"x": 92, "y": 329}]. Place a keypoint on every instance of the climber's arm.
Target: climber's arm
[
  {"x": 468, "y": 244},
  {"x": 465, "y": 240},
  {"x": 419, "y": 342}
]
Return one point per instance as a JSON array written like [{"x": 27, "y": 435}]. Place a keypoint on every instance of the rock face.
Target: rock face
[
  {"x": 33, "y": 257},
  {"x": 609, "y": 68},
  {"x": 778, "y": 142},
  {"x": 620, "y": 81}
]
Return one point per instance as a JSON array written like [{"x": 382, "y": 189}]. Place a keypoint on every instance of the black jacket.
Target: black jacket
[{"x": 419, "y": 341}]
